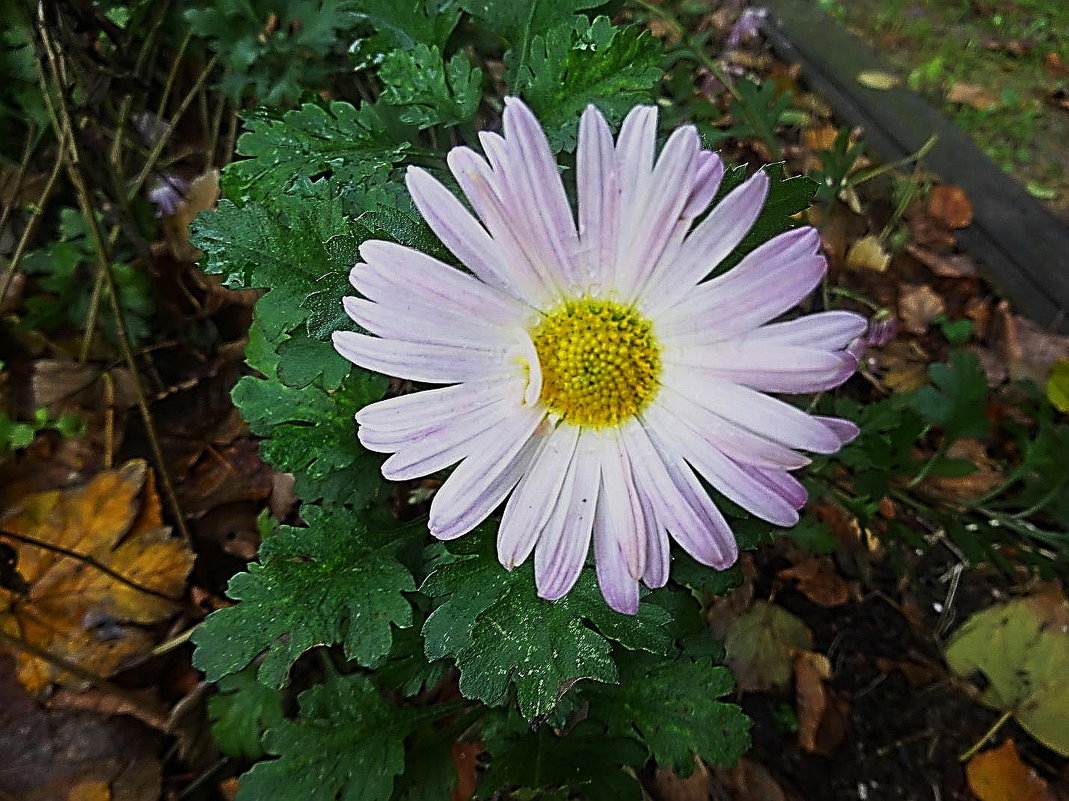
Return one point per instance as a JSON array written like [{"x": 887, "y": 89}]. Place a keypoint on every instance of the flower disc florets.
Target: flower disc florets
[{"x": 600, "y": 362}]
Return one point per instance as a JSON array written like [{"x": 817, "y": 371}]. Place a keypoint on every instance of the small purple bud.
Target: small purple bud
[
  {"x": 747, "y": 27},
  {"x": 167, "y": 192}
]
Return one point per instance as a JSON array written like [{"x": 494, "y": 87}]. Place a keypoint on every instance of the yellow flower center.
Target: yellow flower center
[{"x": 600, "y": 362}]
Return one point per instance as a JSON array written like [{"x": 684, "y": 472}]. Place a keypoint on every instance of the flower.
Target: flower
[
  {"x": 167, "y": 191},
  {"x": 591, "y": 373}
]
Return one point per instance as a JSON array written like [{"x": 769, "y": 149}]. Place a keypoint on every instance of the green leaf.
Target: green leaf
[
  {"x": 284, "y": 250},
  {"x": 1058, "y": 386},
  {"x": 241, "y": 712},
  {"x": 352, "y": 146},
  {"x": 302, "y": 360},
  {"x": 348, "y": 744},
  {"x": 1020, "y": 649},
  {"x": 403, "y": 25},
  {"x": 585, "y": 763},
  {"x": 957, "y": 398},
  {"x": 333, "y": 582},
  {"x": 500, "y": 633},
  {"x": 579, "y": 63},
  {"x": 671, "y": 708},
  {"x": 428, "y": 90}
]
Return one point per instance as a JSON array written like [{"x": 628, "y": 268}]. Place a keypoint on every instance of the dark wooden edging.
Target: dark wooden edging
[{"x": 1023, "y": 248}]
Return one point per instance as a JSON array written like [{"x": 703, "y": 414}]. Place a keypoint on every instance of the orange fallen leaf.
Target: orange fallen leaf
[
  {"x": 974, "y": 485},
  {"x": 818, "y": 580},
  {"x": 998, "y": 774},
  {"x": 465, "y": 761},
  {"x": 950, "y": 206},
  {"x": 92, "y": 617}
]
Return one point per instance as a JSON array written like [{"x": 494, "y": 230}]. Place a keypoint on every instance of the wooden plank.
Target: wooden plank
[{"x": 1022, "y": 248}]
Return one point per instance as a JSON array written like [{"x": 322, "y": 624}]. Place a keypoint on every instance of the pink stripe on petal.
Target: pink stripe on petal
[
  {"x": 709, "y": 174},
  {"x": 564, "y": 542},
  {"x": 435, "y": 364},
  {"x": 832, "y": 330},
  {"x": 711, "y": 242},
  {"x": 658, "y": 557},
  {"x": 459, "y": 231},
  {"x": 843, "y": 429},
  {"x": 782, "y": 483},
  {"x": 531, "y": 504},
  {"x": 480, "y": 483}
]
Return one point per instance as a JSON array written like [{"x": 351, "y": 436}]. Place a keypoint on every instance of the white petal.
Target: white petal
[
  {"x": 598, "y": 192},
  {"x": 756, "y": 412},
  {"x": 710, "y": 242},
  {"x": 439, "y": 326},
  {"x": 403, "y": 278},
  {"x": 480, "y": 483},
  {"x": 564, "y": 542},
  {"x": 769, "y": 368},
  {"x": 530, "y": 506},
  {"x": 445, "y": 444},
  {"x": 434, "y": 364},
  {"x": 458, "y": 230},
  {"x": 619, "y": 531},
  {"x": 709, "y": 173},
  {"x": 677, "y": 495},
  {"x": 413, "y": 413},
  {"x": 831, "y": 330}
]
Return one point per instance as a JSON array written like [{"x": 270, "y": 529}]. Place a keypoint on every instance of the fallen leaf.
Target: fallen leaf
[
  {"x": 974, "y": 485},
  {"x": 695, "y": 787},
  {"x": 760, "y": 645},
  {"x": 875, "y": 79},
  {"x": 998, "y": 774},
  {"x": 810, "y": 671},
  {"x": 1021, "y": 649},
  {"x": 1058, "y": 386},
  {"x": 465, "y": 761},
  {"x": 820, "y": 138},
  {"x": 950, "y": 206},
  {"x": 973, "y": 95},
  {"x": 749, "y": 780},
  {"x": 903, "y": 366},
  {"x": 1029, "y": 351},
  {"x": 918, "y": 305},
  {"x": 202, "y": 194},
  {"x": 956, "y": 265},
  {"x": 74, "y": 609},
  {"x": 868, "y": 253},
  {"x": 1054, "y": 65},
  {"x": 819, "y": 581}
]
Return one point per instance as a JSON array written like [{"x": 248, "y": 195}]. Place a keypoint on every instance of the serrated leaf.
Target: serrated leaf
[
  {"x": 671, "y": 707},
  {"x": 241, "y": 712},
  {"x": 302, "y": 360},
  {"x": 352, "y": 146},
  {"x": 403, "y": 25},
  {"x": 347, "y": 744},
  {"x": 283, "y": 249},
  {"x": 579, "y": 63},
  {"x": 333, "y": 582},
  {"x": 585, "y": 763},
  {"x": 428, "y": 90},
  {"x": 501, "y": 634},
  {"x": 957, "y": 397}
]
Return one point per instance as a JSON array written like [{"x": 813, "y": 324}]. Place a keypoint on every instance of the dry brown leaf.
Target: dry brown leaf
[
  {"x": 978, "y": 483},
  {"x": 918, "y": 305},
  {"x": 819, "y": 581},
  {"x": 821, "y": 137},
  {"x": 868, "y": 253},
  {"x": 695, "y": 787},
  {"x": 1029, "y": 351},
  {"x": 950, "y": 206},
  {"x": 903, "y": 366},
  {"x": 465, "y": 761},
  {"x": 955, "y": 265},
  {"x": 810, "y": 671},
  {"x": 74, "y": 609},
  {"x": 1055, "y": 67},
  {"x": 972, "y": 94},
  {"x": 998, "y": 774},
  {"x": 202, "y": 194},
  {"x": 749, "y": 780}
]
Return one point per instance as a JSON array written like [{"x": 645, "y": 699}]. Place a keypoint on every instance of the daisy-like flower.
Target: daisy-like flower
[{"x": 592, "y": 374}]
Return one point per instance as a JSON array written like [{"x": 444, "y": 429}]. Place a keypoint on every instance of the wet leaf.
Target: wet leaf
[
  {"x": 760, "y": 645},
  {"x": 1021, "y": 649},
  {"x": 73, "y": 608},
  {"x": 998, "y": 774}
]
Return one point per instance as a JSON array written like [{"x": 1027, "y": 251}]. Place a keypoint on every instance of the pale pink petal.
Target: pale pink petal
[
  {"x": 458, "y": 230},
  {"x": 831, "y": 330},
  {"x": 413, "y": 324},
  {"x": 782, "y": 483},
  {"x": 480, "y": 483},
  {"x": 710, "y": 243},
  {"x": 598, "y": 193},
  {"x": 530, "y": 506},
  {"x": 709, "y": 174},
  {"x": 843, "y": 429},
  {"x": 434, "y": 364},
  {"x": 564, "y": 542},
  {"x": 386, "y": 426},
  {"x": 770, "y": 368},
  {"x": 620, "y": 530}
]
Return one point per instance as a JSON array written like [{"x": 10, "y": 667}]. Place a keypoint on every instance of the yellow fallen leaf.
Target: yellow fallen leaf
[
  {"x": 1021, "y": 649},
  {"x": 1058, "y": 386},
  {"x": 868, "y": 254},
  {"x": 875, "y": 79},
  {"x": 74, "y": 609}
]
